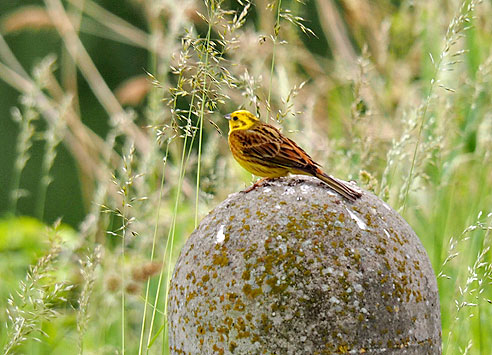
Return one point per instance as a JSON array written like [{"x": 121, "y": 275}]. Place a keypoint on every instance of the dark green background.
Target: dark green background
[{"x": 116, "y": 62}]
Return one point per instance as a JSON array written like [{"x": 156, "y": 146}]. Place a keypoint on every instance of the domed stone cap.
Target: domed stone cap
[{"x": 292, "y": 268}]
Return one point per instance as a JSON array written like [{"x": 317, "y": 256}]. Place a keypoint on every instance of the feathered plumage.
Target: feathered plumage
[{"x": 264, "y": 151}]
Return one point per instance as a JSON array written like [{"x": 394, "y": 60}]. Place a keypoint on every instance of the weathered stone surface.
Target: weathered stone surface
[{"x": 291, "y": 268}]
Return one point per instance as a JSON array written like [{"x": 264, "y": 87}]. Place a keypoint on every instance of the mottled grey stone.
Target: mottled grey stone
[{"x": 292, "y": 268}]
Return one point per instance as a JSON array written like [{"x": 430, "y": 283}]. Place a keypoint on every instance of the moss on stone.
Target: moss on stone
[{"x": 297, "y": 273}]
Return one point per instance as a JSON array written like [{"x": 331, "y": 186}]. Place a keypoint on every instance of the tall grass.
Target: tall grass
[{"x": 398, "y": 96}]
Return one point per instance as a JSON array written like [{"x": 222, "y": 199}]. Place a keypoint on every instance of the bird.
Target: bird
[{"x": 264, "y": 151}]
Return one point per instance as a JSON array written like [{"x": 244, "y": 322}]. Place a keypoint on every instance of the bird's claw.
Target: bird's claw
[{"x": 255, "y": 185}]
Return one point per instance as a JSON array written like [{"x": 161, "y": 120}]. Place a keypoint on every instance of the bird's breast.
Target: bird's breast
[{"x": 252, "y": 164}]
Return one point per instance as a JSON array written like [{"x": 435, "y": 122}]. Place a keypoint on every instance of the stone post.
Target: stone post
[{"x": 292, "y": 268}]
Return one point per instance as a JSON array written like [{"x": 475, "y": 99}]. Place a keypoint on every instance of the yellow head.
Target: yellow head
[{"x": 241, "y": 119}]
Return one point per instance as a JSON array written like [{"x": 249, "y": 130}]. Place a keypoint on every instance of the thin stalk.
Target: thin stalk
[
  {"x": 153, "y": 102},
  {"x": 485, "y": 241},
  {"x": 170, "y": 237},
  {"x": 51, "y": 142},
  {"x": 43, "y": 188},
  {"x": 123, "y": 281},
  {"x": 14, "y": 195},
  {"x": 23, "y": 145},
  {"x": 480, "y": 343},
  {"x": 452, "y": 35},
  {"x": 140, "y": 347},
  {"x": 125, "y": 191},
  {"x": 421, "y": 128},
  {"x": 202, "y": 109},
  {"x": 173, "y": 231},
  {"x": 276, "y": 31},
  {"x": 169, "y": 244}
]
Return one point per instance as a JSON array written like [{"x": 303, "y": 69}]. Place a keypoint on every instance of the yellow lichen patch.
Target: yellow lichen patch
[
  {"x": 200, "y": 330},
  {"x": 232, "y": 346},
  {"x": 228, "y": 322},
  {"x": 221, "y": 259},
  {"x": 275, "y": 285},
  {"x": 239, "y": 305},
  {"x": 244, "y": 334},
  {"x": 260, "y": 214},
  {"x": 240, "y": 324},
  {"x": 252, "y": 292},
  {"x": 219, "y": 350},
  {"x": 231, "y": 296},
  {"x": 247, "y": 254},
  {"x": 380, "y": 250},
  {"x": 343, "y": 349},
  {"x": 190, "y": 296},
  {"x": 246, "y": 273}
]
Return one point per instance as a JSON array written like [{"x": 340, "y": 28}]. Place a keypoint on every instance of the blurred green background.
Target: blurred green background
[{"x": 115, "y": 61}]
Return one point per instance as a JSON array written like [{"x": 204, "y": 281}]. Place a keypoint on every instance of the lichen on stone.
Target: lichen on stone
[{"x": 299, "y": 270}]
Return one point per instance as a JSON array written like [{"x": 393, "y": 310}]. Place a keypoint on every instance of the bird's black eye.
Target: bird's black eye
[{"x": 234, "y": 118}]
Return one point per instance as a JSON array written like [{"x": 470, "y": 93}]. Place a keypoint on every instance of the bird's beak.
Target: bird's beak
[{"x": 228, "y": 116}]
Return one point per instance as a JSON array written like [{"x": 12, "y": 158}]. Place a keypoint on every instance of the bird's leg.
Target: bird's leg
[{"x": 256, "y": 184}]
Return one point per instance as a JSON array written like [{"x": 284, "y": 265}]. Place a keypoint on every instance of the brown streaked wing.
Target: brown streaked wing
[
  {"x": 257, "y": 144},
  {"x": 295, "y": 153},
  {"x": 269, "y": 145}
]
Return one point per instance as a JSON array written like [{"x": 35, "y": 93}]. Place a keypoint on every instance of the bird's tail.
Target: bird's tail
[{"x": 339, "y": 186}]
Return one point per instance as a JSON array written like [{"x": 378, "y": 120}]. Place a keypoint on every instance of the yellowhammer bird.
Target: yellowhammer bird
[{"x": 262, "y": 150}]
